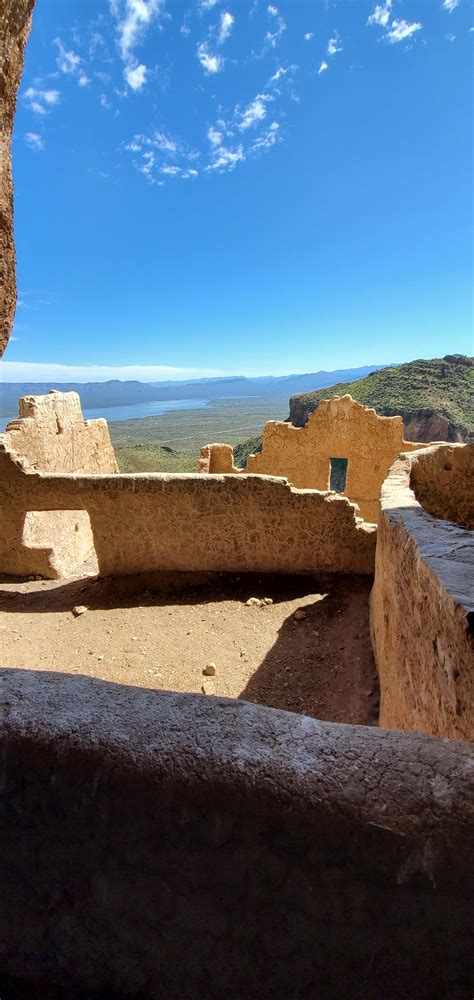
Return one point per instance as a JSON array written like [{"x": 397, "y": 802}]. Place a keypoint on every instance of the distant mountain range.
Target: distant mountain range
[{"x": 116, "y": 393}]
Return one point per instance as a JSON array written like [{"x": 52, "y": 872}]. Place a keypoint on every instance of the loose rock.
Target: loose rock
[
  {"x": 253, "y": 602},
  {"x": 79, "y": 609},
  {"x": 300, "y": 615},
  {"x": 209, "y": 670},
  {"x": 208, "y": 687}
]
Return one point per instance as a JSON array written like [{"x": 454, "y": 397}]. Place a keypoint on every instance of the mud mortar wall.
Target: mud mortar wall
[
  {"x": 422, "y": 605},
  {"x": 168, "y": 845},
  {"x": 15, "y": 22},
  {"x": 442, "y": 480},
  {"x": 143, "y": 523},
  {"x": 339, "y": 428}
]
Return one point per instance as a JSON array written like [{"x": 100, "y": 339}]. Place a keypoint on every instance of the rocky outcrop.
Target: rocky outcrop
[
  {"x": 165, "y": 845},
  {"x": 422, "y": 606},
  {"x": 15, "y": 23}
]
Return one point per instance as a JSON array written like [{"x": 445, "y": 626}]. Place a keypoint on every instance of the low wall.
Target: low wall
[
  {"x": 442, "y": 480},
  {"x": 422, "y": 604},
  {"x": 178, "y": 846},
  {"x": 142, "y": 523}
]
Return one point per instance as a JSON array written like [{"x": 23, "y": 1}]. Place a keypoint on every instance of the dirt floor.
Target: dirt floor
[{"x": 162, "y": 633}]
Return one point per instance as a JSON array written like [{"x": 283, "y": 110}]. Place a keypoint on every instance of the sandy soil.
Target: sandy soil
[{"x": 162, "y": 632}]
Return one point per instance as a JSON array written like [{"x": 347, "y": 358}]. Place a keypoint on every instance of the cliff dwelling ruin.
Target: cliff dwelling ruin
[{"x": 157, "y": 843}]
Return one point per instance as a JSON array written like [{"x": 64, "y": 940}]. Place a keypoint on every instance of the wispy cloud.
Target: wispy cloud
[
  {"x": 225, "y": 27},
  {"x": 381, "y": 14},
  {"x": 83, "y": 80},
  {"x": 67, "y": 61},
  {"x": 210, "y": 62},
  {"x": 334, "y": 45},
  {"x": 30, "y": 371},
  {"x": 401, "y": 30},
  {"x": 133, "y": 19},
  {"x": 450, "y": 5},
  {"x": 308, "y": 36},
  {"x": 34, "y": 141},
  {"x": 256, "y": 111},
  {"x": 322, "y": 67},
  {"x": 41, "y": 101}
]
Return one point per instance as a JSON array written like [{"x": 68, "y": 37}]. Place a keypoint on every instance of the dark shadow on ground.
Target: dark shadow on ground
[{"x": 322, "y": 665}]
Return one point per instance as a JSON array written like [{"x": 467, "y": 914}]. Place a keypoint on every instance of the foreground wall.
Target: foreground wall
[
  {"x": 15, "y": 23},
  {"x": 146, "y": 522},
  {"x": 51, "y": 435},
  {"x": 175, "y": 846},
  {"x": 339, "y": 428},
  {"x": 422, "y": 605}
]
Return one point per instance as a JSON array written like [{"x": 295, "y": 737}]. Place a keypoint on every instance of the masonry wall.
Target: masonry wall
[
  {"x": 51, "y": 435},
  {"x": 422, "y": 604},
  {"x": 146, "y": 522},
  {"x": 176, "y": 846},
  {"x": 338, "y": 428}
]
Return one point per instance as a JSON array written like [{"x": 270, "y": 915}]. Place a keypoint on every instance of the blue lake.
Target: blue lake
[{"x": 132, "y": 411}]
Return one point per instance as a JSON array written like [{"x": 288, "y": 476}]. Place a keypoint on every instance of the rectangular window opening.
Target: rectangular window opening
[{"x": 338, "y": 474}]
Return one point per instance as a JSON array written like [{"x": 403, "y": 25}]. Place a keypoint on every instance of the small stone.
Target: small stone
[
  {"x": 208, "y": 687},
  {"x": 300, "y": 615},
  {"x": 79, "y": 609},
  {"x": 100, "y": 657},
  {"x": 268, "y": 600},
  {"x": 253, "y": 602},
  {"x": 209, "y": 670}
]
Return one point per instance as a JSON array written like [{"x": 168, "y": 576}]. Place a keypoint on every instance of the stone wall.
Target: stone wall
[
  {"x": 422, "y": 605},
  {"x": 443, "y": 481},
  {"x": 51, "y": 435},
  {"x": 15, "y": 23},
  {"x": 167, "y": 845},
  {"x": 147, "y": 522},
  {"x": 339, "y": 428}
]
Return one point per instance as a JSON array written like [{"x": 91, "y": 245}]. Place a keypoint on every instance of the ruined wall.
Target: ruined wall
[
  {"x": 51, "y": 435},
  {"x": 422, "y": 604},
  {"x": 277, "y": 856},
  {"x": 443, "y": 482},
  {"x": 217, "y": 458},
  {"x": 15, "y": 23},
  {"x": 145, "y": 522},
  {"x": 339, "y": 428}
]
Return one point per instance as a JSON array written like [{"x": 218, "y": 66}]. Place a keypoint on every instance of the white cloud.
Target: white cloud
[
  {"x": 256, "y": 111},
  {"x": 381, "y": 14},
  {"x": 30, "y": 371},
  {"x": 135, "y": 76},
  {"x": 104, "y": 102},
  {"x": 208, "y": 4},
  {"x": 40, "y": 101},
  {"x": 334, "y": 45},
  {"x": 272, "y": 10},
  {"x": 450, "y": 38},
  {"x": 163, "y": 142},
  {"x": 132, "y": 25},
  {"x": 450, "y": 5},
  {"x": 308, "y": 36},
  {"x": 34, "y": 141},
  {"x": 400, "y": 30},
  {"x": 267, "y": 139},
  {"x": 67, "y": 60},
  {"x": 214, "y": 136},
  {"x": 323, "y": 67},
  {"x": 226, "y": 159},
  {"x": 226, "y": 25},
  {"x": 83, "y": 80},
  {"x": 210, "y": 63}
]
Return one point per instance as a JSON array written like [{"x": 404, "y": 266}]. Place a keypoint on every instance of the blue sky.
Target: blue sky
[{"x": 219, "y": 186}]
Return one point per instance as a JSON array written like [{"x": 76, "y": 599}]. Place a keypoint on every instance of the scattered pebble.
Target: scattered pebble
[
  {"x": 79, "y": 609},
  {"x": 300, "y": 615},
  {"x": 268, "y": 600},
  {"x": 253, "y": 602},
  {"x": 209, "y": 670},
  {"x": 208, "y": 687}
]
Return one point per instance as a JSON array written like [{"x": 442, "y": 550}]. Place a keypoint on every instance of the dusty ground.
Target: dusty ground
[{"x": 158, "y": 633}]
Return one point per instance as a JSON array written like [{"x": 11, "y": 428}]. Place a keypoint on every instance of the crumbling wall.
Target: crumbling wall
[
  {"x": 217, "y": 458},
  {"x": 339, "y": 428},
  {"x": 443, "y": 482},
  {"x": 15, "y": 23},
  {"x": 422, "y": 604},
  {"x": 146, "y": 522},
  {"x": 158, "y": 844},
  {"x": 51, "y": 435}
]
